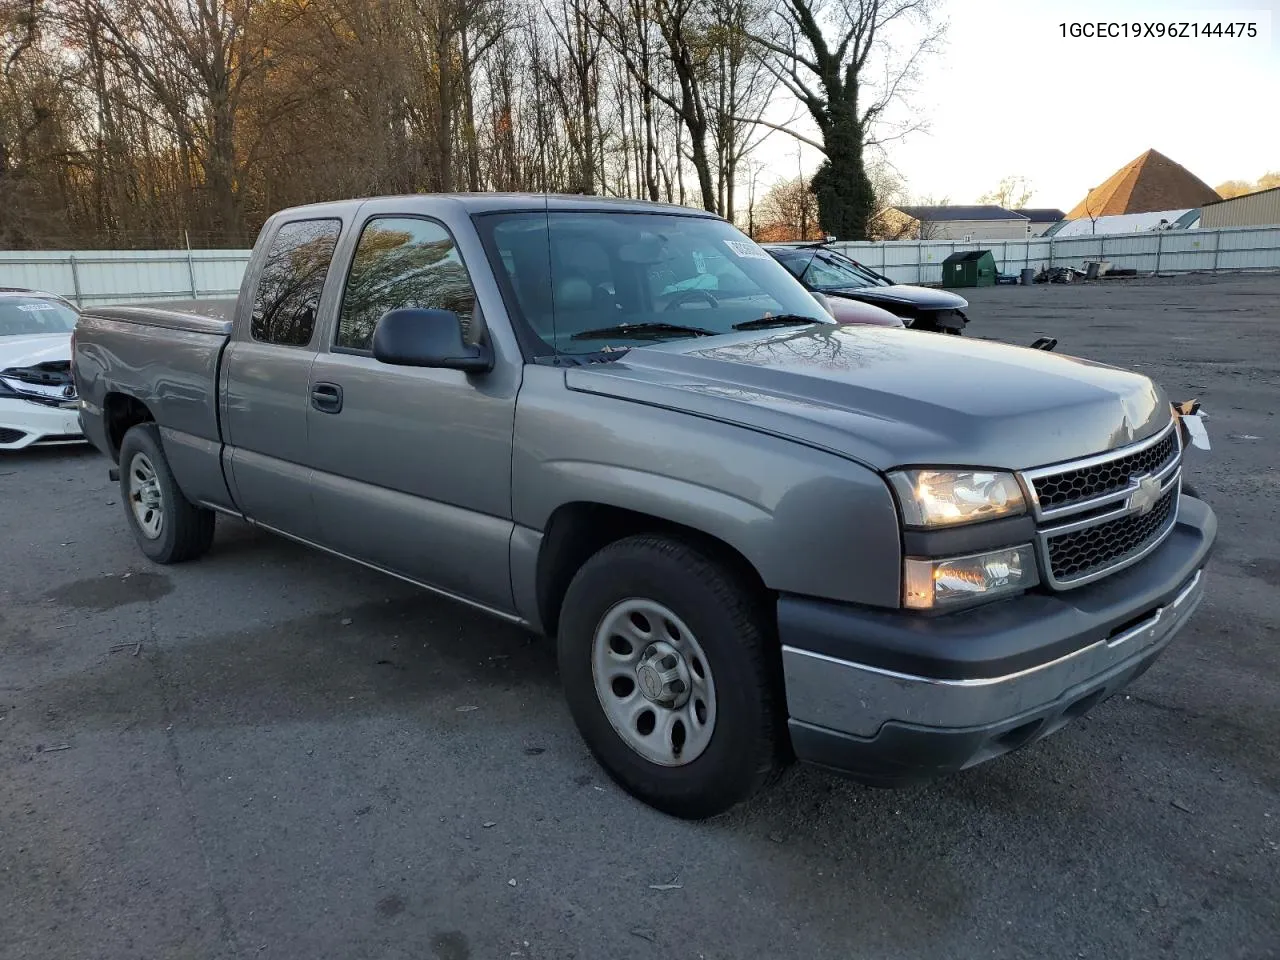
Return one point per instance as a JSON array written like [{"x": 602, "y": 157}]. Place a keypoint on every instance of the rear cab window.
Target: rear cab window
[
  {"x": 403, "y": 262},
  {"x": 288, "y": 293}
]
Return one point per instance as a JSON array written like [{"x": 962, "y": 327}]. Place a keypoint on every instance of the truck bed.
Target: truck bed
[
  {"x": 166, "y": 357},
  {"x": 193, "y": 316}
]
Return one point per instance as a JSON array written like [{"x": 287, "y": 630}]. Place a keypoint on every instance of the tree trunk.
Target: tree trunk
[
  {"x": 444, "y": 116},
  {"x": 220, "y": 169},
  {"x": 702, "y": 165},
  {"x": 468, "y": 105},
  {"x": 846, "y": 200}
]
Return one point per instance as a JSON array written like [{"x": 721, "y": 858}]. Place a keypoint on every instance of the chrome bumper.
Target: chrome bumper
[
  {"x": 857, "y": 699},
  {"x": 892, "y": 698}
]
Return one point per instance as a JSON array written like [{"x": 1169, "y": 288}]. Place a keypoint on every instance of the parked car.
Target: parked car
[
  {"x": 753, "y": 533},
  {"x": 844, "y": 310},
  {"x": 838, "y": 277},
  {"x": 38, "y": 402}
]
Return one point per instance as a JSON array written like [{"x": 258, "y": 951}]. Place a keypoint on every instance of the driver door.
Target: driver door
[{"x": 413, "y": 465}]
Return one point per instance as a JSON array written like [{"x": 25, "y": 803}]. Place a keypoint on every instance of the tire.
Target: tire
[
  {"x": 730, "y": 658},
  {"x": 176, "y": 530}
]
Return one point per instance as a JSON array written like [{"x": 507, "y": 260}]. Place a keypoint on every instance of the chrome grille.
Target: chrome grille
[
  {"x": 1077, "y": 555},
  {"x": 1101, "y": 514},
  {"x": 1099, "y": 479}
]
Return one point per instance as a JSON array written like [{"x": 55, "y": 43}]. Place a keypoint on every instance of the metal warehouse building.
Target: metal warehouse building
[{"x": 1258, "y": 209}]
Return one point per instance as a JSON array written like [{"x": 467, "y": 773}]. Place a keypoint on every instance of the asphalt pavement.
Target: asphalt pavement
[{"x": 273, "y": 753}]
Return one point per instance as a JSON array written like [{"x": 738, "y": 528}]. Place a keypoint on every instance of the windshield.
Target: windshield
[
  {"x": 30, "y": 316},
  {"x": 609, "y": 280},
  {"x": 828, "y": 270}
]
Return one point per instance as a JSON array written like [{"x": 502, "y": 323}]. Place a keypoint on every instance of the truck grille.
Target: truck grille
[
  {"x": 1101, "y": 514},
  {"x": 1075, "y": 556},
  {"x": 1085, "y": 483}
]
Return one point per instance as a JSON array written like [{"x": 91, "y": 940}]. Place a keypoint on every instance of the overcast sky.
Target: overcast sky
[{"x": 1009, "y": 95}]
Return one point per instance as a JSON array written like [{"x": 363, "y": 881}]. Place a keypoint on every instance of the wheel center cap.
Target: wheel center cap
[
  {"x": 662, "y": 676},
  {"x": 649, "y": 681}
]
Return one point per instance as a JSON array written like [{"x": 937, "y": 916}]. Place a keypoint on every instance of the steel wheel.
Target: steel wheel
[
  {"x": 654, "y": 682},
  {"x": 145, "y": 497}
]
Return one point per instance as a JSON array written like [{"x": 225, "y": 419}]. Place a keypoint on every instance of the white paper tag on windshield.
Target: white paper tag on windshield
[
  {"x": 746, "y": 249},
  {"x": 33, "y": 307},
  {"x": 1195, "y": 429}
]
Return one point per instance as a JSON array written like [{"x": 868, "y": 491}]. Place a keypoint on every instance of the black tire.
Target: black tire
[
  {"x": 734, "y": 627},
  {"x": 185, "y": 530}
]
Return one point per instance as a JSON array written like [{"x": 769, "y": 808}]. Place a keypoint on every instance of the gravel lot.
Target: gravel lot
[{"x": 270, "y": 753}]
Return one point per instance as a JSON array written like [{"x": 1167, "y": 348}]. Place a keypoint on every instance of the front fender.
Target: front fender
[{"x": 809, "y": 522}]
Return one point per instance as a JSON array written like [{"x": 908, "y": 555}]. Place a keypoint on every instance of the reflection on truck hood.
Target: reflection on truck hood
[{"x": 892, "y": 397}]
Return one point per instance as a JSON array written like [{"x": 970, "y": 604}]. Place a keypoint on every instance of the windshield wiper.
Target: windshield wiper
[
  {"x": 643, "y": 331},
  {"x": 807, "y": 264},
  {"x": 777, "y": 320}
]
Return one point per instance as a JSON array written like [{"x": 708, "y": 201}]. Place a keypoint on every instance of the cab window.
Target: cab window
[
  {"x": 403, "y": 262},
  {"x": 288, "y": 293}
]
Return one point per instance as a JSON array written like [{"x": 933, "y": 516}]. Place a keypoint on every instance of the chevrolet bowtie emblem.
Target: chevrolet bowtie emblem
[{"x": 1144, "y": 498}]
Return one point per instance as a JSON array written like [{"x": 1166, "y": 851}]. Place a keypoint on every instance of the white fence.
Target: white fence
[
  {"x": 96, "y": 277},
  {"x": 130, "y": 276},
  {"x": 1164, "y": 251}
]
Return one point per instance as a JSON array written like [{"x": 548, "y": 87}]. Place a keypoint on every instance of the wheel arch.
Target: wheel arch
[
  {"x": 121, "y": 412},
  {"x": 578, "y": 530}
]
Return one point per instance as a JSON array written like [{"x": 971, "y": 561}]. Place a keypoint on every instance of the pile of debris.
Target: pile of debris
[
  {"x": 1059, "y": 275},
  {"x": 1094, "y": 270}
]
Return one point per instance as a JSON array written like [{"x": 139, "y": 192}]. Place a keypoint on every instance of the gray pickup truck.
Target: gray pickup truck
[{"x": 754, "y": 534}]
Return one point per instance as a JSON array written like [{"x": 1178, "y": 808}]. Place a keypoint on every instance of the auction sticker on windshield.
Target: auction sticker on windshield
[
  {"x": 33, "y": 307},
  {"x": 746, "y": 249}
]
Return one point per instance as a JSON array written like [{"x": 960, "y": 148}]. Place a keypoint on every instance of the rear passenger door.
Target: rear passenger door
[
  {"x": 413, "y": 465},
  {"x": 267, "y": 376}
]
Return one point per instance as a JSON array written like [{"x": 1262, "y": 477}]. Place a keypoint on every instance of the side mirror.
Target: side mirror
[{"x": 413, "y": 337}]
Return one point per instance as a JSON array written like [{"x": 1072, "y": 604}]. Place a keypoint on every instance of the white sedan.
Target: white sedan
[{"x": 38, "y": 402}]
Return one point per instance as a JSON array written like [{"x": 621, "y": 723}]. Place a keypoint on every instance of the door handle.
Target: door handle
[{"x": 326, "y": 397}]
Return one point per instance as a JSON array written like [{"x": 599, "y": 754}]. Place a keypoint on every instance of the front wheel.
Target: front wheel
[
  {"x": 670, "y": 668},
  {"x": 169, "y": 528}
]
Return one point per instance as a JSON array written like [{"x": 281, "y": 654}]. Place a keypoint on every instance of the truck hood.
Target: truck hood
[
  {"x": 890, "y": 398},
  {"x": 921, "y": 297}
]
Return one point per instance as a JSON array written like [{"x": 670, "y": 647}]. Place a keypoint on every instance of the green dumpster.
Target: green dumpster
[{"x": 969, "y": 268}]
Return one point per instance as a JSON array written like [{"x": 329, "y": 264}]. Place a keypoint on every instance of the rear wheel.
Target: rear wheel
[
  {"x": 169, "y": 528},
  {"x": 671, "y": 672}
]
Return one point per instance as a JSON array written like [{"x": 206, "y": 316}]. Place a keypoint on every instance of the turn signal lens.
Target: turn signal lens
[{"x": 929, "y": 584}]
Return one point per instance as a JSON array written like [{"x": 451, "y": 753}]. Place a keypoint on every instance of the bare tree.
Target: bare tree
[
  {"x": 155, "y": 122},
  {"x": 835, "y": 58},
  {"x": 193, "y": 60},
  {"x": 788, "y": 211},
  {"x": 740, "y": 89},
  {"x": 1011, "y": 193}
]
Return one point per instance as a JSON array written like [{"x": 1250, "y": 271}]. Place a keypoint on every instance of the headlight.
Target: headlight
[
  {"x": 928, "y": 584},
  {"x": 943, "y": 498}
]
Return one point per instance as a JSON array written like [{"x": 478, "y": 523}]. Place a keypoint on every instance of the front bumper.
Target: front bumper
[
  {"x": 893, "y": 698},
  {"x": 23, "y": 423}
]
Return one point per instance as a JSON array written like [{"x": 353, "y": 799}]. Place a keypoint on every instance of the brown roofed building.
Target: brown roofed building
[{"x": 1149, "y": 183}]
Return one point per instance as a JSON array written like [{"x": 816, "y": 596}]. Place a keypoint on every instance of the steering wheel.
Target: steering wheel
[{"x": 685, "y": 296}]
